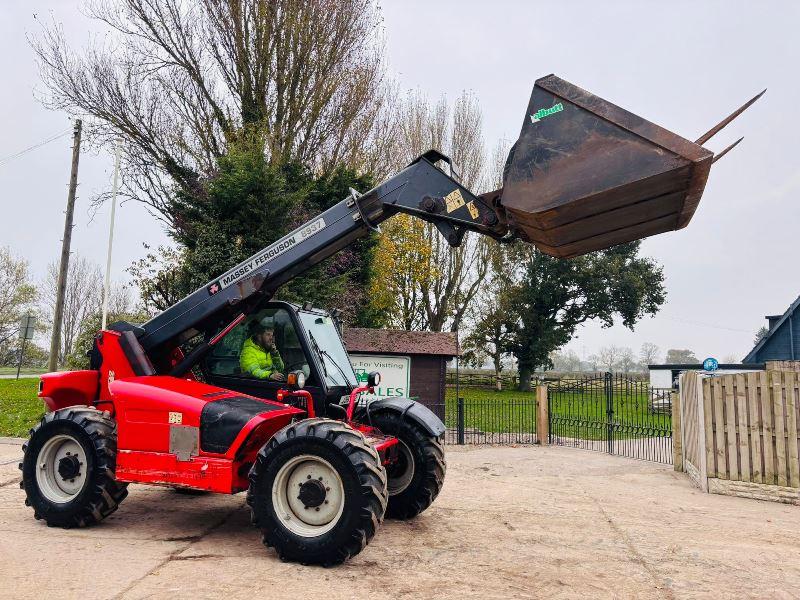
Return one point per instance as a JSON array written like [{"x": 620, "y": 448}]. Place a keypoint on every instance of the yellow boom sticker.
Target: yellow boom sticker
[
  {"x": 454, "y": 200},
  {"x": 472, "y": 210}
]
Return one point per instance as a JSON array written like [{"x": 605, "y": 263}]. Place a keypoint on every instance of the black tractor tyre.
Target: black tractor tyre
[
  {"x": 410, "y": 493},
  {"x": 337, "y": 456},
  {"x": 92, "y": 493}
]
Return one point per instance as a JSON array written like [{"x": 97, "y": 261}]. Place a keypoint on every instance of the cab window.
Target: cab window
[{"x": 286, "y": 354}]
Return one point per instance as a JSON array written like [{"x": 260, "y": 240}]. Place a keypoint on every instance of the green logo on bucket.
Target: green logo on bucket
[{"x": 546, "y": 112}]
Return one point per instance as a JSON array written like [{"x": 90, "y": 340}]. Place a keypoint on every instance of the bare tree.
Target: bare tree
[
  {"x": 649, "y": 353},
  {"x": 627, "y": 360},
  {"x": 16, "y": 294},
  {"x": 180, "y": 81},
  {"x": 609, "y": 356},
  {"x": 565, "y": 362},
  {"x": 452, "y": 277},
  {"x": 83, "y": 298},
  {"x": 491, "y": 330}
]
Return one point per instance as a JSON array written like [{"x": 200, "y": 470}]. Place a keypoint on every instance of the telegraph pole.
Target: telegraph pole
[
  {"x": 61, "y": 286},
  {"x": 107, "y": 286}
]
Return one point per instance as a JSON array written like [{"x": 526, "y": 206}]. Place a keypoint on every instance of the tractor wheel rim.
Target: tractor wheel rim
[
  {"x": 61, "y": 469},
  {"x": 296, "y": 495},
  {"x": 400, "y": 475}
]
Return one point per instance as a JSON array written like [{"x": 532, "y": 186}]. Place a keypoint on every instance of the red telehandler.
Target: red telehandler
[{"x": 320, "y": 468}]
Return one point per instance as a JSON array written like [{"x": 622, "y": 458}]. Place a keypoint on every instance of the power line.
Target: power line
[
  {"x": 701, "y": 324},
  {"x": 34, "y": 147}
]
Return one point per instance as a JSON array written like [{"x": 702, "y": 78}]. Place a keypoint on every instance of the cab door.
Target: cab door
[{"x": 222, "y": 365}]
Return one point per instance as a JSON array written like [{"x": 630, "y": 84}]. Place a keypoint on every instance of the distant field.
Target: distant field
[{"x": 20, "y": 409}]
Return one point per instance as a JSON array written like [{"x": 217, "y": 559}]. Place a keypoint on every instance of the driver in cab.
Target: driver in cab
[{"x": 260, "y": 357}]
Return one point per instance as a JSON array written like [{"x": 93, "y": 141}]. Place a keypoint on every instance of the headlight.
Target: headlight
[
  {"x": 374, "y": 379},
  {"x": 301, "y": 380}
]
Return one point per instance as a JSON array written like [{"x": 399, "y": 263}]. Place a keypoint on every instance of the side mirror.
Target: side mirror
[
  {"x": 296, "y": 379},
  {"x": 374, "y": 379}
]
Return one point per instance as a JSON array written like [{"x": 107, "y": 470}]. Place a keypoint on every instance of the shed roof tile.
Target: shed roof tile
[{"x": 396, "y": 341}]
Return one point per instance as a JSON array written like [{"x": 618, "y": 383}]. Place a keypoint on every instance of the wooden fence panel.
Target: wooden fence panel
[
  {"x": 720, "y": 471},
  {"x": 776, "y": 386},
  {"x": 741, "y": 431},
  {"x": 790, "y": 387},
  {"x": 742, "y": 442},
  {"x": 754, "y": 427},
  {"x": 689, "y": 407},
  {"x": 732, "y": 455},
  {"x": 767, "y": 429},
  {"x": 708, "y": 423}
]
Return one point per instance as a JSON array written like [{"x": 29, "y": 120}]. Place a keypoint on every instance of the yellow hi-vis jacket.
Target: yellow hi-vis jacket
[{"x": 257, "y": 362}]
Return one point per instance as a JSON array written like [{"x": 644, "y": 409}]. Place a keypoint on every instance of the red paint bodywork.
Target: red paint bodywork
[
  {"x": 143, "y": 406},
  {"x": 354, "y": 398},
  {"x": 68, "y": 388},
  {"x": 305, "y": 394},
  {"x": 147, "y": 407}
]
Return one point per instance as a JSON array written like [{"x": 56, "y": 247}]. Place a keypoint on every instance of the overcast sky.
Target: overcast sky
[{"x": 683, "y": 65}]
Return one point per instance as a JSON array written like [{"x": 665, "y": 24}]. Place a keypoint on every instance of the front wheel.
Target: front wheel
[
  {"x": 317, "y": 492},
  {"x": 416, "y": 476},
  {"x": 68, "y": 468}
]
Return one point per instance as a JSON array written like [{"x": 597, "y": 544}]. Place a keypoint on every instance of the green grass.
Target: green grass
[
  {"x": 491, "y": 411},
  {"x": 573, "y": 414},
  {"x": 20, "y": 408}
]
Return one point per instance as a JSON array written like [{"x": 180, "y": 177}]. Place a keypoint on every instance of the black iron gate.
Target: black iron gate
[{"x": 612, "y": 413}]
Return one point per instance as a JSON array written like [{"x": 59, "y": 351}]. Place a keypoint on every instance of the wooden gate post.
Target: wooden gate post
[
  {"x": 677, "y": 436},
  {"x": 701, "y": 434},
  {"x": 542, "y": 416}
]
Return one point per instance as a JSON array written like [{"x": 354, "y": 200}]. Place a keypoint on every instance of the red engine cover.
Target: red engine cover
[{"x": 150, "y": 410}]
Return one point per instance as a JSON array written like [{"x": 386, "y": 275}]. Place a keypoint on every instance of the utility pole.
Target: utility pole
[
  {"x": 61, "y": 286},
  {"x": 107, "y": 286}
]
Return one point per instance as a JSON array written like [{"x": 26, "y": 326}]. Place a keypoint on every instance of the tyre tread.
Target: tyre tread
[
  {"x": 106, "y": 494},
  {"x": 407, "y": 506},
  {"x": 366, "y": 463}
]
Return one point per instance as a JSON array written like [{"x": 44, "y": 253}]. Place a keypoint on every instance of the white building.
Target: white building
[{"x": 666, "y": 376}]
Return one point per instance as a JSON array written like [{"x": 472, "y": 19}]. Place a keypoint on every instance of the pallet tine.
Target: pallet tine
[
  {"x": 716, "y": 129},
  {"x": 728, "y": 149}
]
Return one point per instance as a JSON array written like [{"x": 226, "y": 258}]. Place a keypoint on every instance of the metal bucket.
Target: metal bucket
[{"x": 586, "y": 175}]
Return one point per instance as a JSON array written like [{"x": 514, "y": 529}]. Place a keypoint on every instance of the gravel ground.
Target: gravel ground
[{"x": 522, "y": 522}]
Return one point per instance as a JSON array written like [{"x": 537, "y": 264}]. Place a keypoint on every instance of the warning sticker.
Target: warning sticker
[
  {"x": 267, "y": 254},
  {"x": 454, "y": 200},
  {"x": 473, "y": 211}
]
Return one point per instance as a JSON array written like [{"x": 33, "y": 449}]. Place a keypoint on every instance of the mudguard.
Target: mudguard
[{"x": 415, "y": 411}]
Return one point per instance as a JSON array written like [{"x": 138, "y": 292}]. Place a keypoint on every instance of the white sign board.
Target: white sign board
[{"x": 395, "y": 373}]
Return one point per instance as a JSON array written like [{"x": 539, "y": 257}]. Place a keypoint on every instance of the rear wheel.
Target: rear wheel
[
  {"x": 317, "y": 492},
  {"x": 416, "y": 477},
  {"x": 68, "y": 468}
]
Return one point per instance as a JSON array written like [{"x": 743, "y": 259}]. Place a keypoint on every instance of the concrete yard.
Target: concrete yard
[{"x": 523, "y": 522}]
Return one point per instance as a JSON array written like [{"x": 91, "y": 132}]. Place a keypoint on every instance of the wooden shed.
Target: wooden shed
[{"x": 412, "y": 363}]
